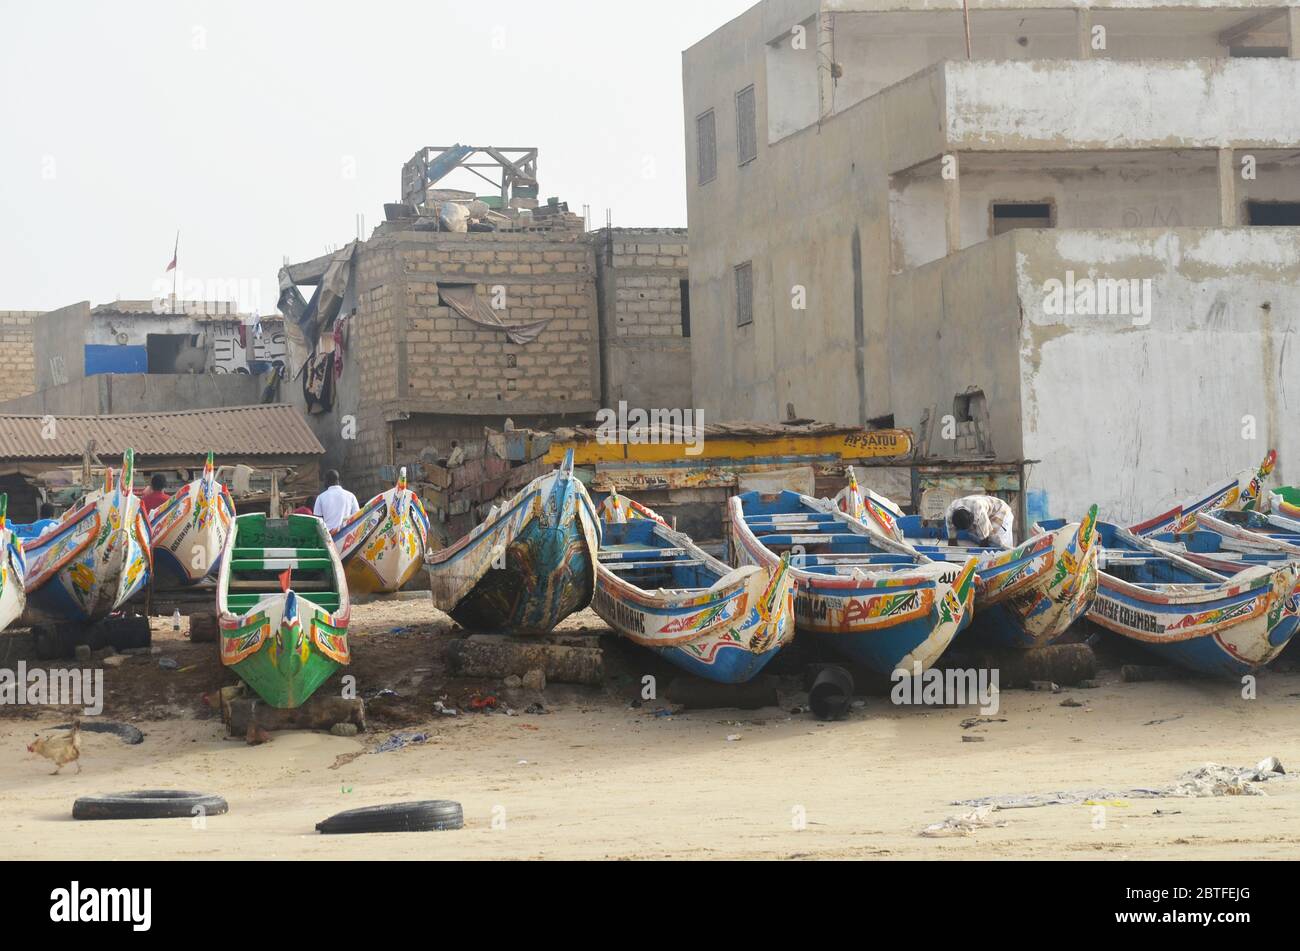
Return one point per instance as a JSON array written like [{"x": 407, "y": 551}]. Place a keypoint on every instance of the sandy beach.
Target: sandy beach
[{"x": 596, "y": 777}]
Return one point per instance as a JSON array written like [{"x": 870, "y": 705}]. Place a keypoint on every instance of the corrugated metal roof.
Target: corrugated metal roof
[{"x": 275, "y": 430}]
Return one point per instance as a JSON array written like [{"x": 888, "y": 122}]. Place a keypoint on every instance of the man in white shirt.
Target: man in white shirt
[
  {"x": 336, "y": 504},
  {"x": 986, "y": 517}
]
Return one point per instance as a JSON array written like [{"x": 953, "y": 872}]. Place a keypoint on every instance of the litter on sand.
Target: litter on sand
[
  {"x": 966, "y": 824},
  {"x": 399, "y": 740}
]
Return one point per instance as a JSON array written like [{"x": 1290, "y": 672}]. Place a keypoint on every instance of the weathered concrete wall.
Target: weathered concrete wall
[
  {"x": 952, "y": 325},
  {"x": 1104, "y": 104},
  {"x": 1135, "y": 418},
  {"x": 645, "y": 359},
  {"x": 140, "y": 393},
  {"x": 17, "y": 354},
  {"x": 58, "y": 339}
]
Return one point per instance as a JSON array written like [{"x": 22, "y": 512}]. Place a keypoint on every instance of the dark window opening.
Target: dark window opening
[
  {"x": 686, "y": 307},
  {"x": 706, "y": 145},
  {"x": 1275, "y": 213},
  {"x": 1010, "y": 215},
  {"x": 881, "y": 422},
  {"x": 744, "y": 294},
  {"x": 746, "y": 126},
  {"x": 174, "y": 353}
]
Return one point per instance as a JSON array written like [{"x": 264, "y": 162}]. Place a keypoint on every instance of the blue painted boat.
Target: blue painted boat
[
  {"x": 658, "y": 589},
  {"x": 96, "y": 558},
  {"x": 13, "y": 570},
  {"x": 530, "y": 564},
  {"x": 869, "y": 598},
  {"x": 1215, "y": 612}
]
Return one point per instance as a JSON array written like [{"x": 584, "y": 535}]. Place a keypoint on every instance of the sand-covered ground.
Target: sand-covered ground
[{"x": 596, "y": 777}]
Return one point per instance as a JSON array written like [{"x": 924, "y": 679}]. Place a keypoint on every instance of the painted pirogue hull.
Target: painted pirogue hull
[
  {"x": 13, "y": 572},
  {"x": 93, "y": 561},
  {"x": 190, "y": 529},
  {"x": 887, "y": 621},
  {"x": 726, "y": 633},
  {"x": 1026, "y": 596},
  {"x": 284, "y": 645},
  {"x": 1259, "y": 535},
  {"x": 1244, "y": 492},
  {"x": 383, "y": 545},
  {"x": 1227, "y": 628},
  {"x": 1031, "y": 595},
  {"x": 526, "y": 568}
]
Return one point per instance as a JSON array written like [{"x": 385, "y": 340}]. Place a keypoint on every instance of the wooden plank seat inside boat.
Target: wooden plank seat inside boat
[
  {"x": 266, "y": 548},
  {"x": 630, "y": 550},
  {"x": 823, "y": 544}
]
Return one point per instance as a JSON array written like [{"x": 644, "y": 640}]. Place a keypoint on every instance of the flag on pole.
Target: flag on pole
[{"x": 172, "y": 266}]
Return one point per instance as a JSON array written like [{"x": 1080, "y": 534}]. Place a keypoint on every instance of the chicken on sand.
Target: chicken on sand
[{"x": 60, "y": 749}]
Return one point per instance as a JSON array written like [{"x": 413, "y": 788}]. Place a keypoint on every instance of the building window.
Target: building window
[
  {"x": 746, "y": 126},
  {"x": 706, "y": 143},
  {"x": 686, "y": 307},
  {"x": 745, "y": 294},
  {"x": 1010, "y": 215},
  {"x": 1285, "y": 213}
]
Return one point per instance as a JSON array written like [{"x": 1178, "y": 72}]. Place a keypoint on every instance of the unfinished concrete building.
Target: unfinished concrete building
[
  {"x": 1063, "y": 238},
  {"x": 461, "y": 312}
]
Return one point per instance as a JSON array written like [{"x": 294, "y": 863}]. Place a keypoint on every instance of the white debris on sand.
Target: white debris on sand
[{"x": 967, "y": 824}]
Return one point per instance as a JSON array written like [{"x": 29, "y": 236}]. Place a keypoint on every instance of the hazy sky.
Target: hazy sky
[{"x": 261, "y": 129}]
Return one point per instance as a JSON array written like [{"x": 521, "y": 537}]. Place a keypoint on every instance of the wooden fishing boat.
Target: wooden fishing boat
[
  {"x": 1025, "y": 596},
  {"x": 190, "y": 529},
  {"x": 13, "y": 570},
  {"x": 658, "y": 589},
  {"x": 282, "y": 606},
  {"x": 383, "y": 545},
  {"x": 1244, "y": 492},
  {"x": 1284, "y": 502},
  {"x": 1227, "y": 622},
  {"x": 872, "y": 599},
  {"x": 530, "y": 565},
  {"x": 95, "y": 559},
  {"x": 1251, "y": 532},
  {"x": 615, "y": 508}
]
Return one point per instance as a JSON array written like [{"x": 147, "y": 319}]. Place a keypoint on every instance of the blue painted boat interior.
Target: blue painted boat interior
[
  {"x": 1141, "y": 567},
  {"x": 826, "y": 544},
  {"x": 639, "y": 555}
]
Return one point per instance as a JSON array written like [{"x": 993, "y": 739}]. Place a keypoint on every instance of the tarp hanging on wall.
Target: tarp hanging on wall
[
  {"x": 464, "y": 300},
  {"x": 305, "y": 321}
]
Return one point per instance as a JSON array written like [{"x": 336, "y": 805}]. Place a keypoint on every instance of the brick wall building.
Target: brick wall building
[
  {"x": 17, "y": 354},
  {"x": 644, "y": 296}
]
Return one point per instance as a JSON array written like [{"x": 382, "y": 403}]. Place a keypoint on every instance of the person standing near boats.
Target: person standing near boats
[
  {"x": 336, "y": 504},
  {"x": 986, "y": 517},
  {"x": 156, "y": 495}
]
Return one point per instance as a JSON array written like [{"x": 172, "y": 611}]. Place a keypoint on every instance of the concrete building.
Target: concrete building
[
  {"x": 1076, "y": 245},
  {"x": 138, "y": 356}
]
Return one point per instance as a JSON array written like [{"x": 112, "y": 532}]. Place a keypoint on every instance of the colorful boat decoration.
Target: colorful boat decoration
[
  {"x": 1284, "y": 503},
  {"x": 13, "y": 570},
  {"x": 1244, "y": 492},
  {"x": 190, "y": 529},
  {"x": 1222, "y": 622},
  {"x": 616, "y": 509},
  {"x": 383, "y": 545},
  {"x": 530, "y": 565},
  {"x": 282, "y": 607},
  {"x": 873, "y": 600},
  {"x": 1025, "y": 596},
  {"x": 95, "y": 559},
  {"x": 658, "y": 589}
]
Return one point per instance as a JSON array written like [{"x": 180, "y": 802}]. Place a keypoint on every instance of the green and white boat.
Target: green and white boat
[{"x": 282, "y": 603}]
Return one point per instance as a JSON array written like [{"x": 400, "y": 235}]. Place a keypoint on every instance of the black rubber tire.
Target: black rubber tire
[
  {"x": 148, "y": 804},
  {"x": 426, "y": 816}
]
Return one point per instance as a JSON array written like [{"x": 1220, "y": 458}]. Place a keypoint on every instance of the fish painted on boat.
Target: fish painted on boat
[
  {"x": 190, "y": 529},
  {"x": 657, "y": 588},
  {"x": 96, "y": 558},
  {"x": 1225, "y": 622},
  {"x": 282, "y": 607},
  {"x": 871, "y": 599},
  {"x": 529, "y": 565},
  {"x": 13, "y": 570},
  {"x": 383, "y": 545}
]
